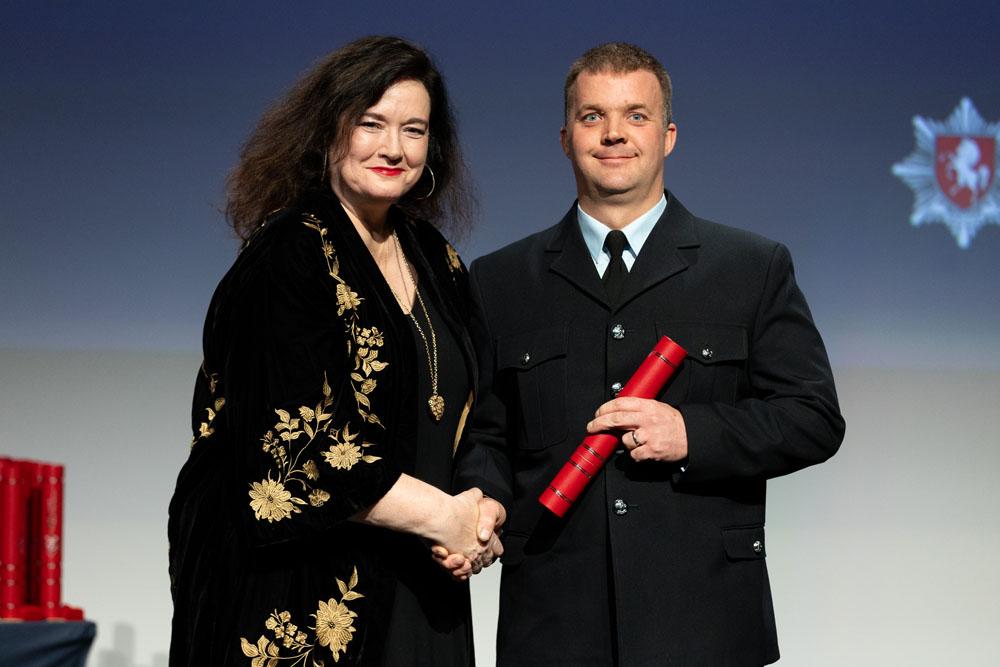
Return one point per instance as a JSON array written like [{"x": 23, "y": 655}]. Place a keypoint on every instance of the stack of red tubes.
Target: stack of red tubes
[{"x": 31, "y": 519}]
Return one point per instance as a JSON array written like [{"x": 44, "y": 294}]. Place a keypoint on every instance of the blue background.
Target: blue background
[{"x": 120, "y": 122}]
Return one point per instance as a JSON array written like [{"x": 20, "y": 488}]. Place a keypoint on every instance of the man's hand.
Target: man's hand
[
  {"x": 491, "y": 517},
  {"x": 652, "y": 431}
]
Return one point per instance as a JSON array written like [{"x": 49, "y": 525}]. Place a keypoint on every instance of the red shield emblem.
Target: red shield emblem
[{"x": 964, "y": 166}]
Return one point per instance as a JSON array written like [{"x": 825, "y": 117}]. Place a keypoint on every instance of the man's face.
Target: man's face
[{"x": 616, "y": 137}]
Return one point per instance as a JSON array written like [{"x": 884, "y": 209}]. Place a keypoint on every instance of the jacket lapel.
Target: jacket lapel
[
  {"x": 573, "y": 261},
  {"x": 659, "y": 259},
  {"x": 661, "y": 256}
]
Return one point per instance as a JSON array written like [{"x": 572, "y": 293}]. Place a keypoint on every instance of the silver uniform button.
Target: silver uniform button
[
  {"x": 618, "y": 332},
  {"x": 525, "y": 359},
  {"x": 707, "y": 353},
  {"x": 621, "y": 507},
  {"x": 615, "y": 388},
  {"x": 758, "y": 546}
]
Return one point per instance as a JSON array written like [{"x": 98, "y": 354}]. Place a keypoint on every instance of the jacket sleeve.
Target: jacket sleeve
[
  {"x": 302, "y": 375},
  {"x": 484, "y": 463},
  {"x": 790, "y": 418}
]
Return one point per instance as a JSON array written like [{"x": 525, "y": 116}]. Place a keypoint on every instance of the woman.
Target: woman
[{"x": 336, "y": 381}]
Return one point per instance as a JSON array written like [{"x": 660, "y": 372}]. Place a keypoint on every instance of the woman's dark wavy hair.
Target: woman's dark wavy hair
[{"x": 285, "y": 157}]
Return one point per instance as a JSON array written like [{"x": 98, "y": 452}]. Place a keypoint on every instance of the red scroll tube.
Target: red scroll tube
[
  {"x": 50, "y": 544},
  {"x": 13, "y": 540},
  {"x": 595, "y": 450}
]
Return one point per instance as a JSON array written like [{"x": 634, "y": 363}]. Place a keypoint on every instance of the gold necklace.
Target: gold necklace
[{"x": 436, "y": 401}]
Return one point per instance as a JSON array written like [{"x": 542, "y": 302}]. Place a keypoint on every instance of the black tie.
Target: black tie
[{"x": 614, "y": 275}]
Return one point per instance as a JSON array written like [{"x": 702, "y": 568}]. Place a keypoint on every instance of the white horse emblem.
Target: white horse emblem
[{"x": 965, "y": 171}]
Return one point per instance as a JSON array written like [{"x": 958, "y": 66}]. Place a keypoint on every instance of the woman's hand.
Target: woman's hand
[
  {"x": 491, "y": 516},
  {"x": 456, "y": 525},
  {"x": 462, "y": 528}
]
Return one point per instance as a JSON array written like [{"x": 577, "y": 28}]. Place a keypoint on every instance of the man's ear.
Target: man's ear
[
  {"x": 564, "y": 139},
  {"x": 669, "y": 139}
]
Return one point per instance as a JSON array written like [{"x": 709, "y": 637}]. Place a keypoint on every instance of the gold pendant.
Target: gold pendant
[{"x": 436, "y": 403}]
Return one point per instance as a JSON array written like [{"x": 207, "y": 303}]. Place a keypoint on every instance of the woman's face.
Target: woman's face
[{"x": 387, "y": 149}]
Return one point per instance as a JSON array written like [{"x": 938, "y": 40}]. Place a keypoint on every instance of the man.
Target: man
[{"x": 661, "y": 560}]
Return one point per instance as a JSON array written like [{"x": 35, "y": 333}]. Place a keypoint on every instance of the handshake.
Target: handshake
[{"x": 468, "y": 538}]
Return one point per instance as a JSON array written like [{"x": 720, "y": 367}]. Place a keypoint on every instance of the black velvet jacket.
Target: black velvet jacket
[{"x": 304, "y": 414}]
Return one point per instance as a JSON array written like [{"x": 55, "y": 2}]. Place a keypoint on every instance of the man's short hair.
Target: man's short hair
[{"x": 618, "y": 58}]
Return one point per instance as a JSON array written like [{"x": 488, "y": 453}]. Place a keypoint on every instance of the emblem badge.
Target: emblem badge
[{"x": 952, "y": 172}]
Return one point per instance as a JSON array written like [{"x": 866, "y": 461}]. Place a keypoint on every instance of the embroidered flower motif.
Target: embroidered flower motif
[
  {"x": 270, "y": 500},
  {"x": 334, "y": 629},
  {"x": 334, "y": 626},
  {"x": 346, "y": 299},
  {"x": 343, "y": 456},
  {"x": 370, "y": 337},
  {"x": 273, "y": 499},
  {"x": 318, "y": 497},
  {"x": 207, "y": 427},
  {"x": 362, "y": 341},
  {"x": 367, "y": 360},
  {"x": 264, "y": 654},
  {"x": 454, "y": 262},
  {"x": 289, "y": 484}
]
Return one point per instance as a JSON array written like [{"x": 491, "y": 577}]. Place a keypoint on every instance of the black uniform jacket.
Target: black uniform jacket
[
  {"x": 305, "y": 412},
  {"x": 653, "y": 566}
]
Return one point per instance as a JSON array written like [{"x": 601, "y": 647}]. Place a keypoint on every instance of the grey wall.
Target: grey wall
[{"x": 886, "y": 554}]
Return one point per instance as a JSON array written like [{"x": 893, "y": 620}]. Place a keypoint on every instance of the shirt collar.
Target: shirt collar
[{"x": 636, "y": 232}]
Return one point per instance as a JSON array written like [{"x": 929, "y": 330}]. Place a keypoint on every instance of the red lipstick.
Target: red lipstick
[{"x": 387, "y": 171}]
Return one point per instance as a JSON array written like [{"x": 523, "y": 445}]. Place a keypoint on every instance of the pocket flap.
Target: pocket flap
[
  {"x": 708, "y": 343},
  {"x": 526, "y": 350},
  {"x": 744, "y": 543}
]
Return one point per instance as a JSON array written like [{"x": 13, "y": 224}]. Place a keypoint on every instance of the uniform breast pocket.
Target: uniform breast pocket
[
  {"x": 537, "y": 362},
  {"x": 715, "y": 369}
]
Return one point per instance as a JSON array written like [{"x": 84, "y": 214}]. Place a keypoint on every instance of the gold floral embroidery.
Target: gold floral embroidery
[
  {"x": 363, "y": 341},
  {"x": 454, "y": 262},
  {"x": 273, "y": 499},
  {"x": 367, "y": 340},
  {"x": 344, "y": 453},
  {"x": 334, "y": 630},
  {"x": 207, "y": 428},
  {"x": 346, "y": 299},
  {"x": 343, "y": 456},
  {"x": 370, "y": 337},
  {"x": 317, "y": 497},
  {"x": 264, "y": 654}
]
